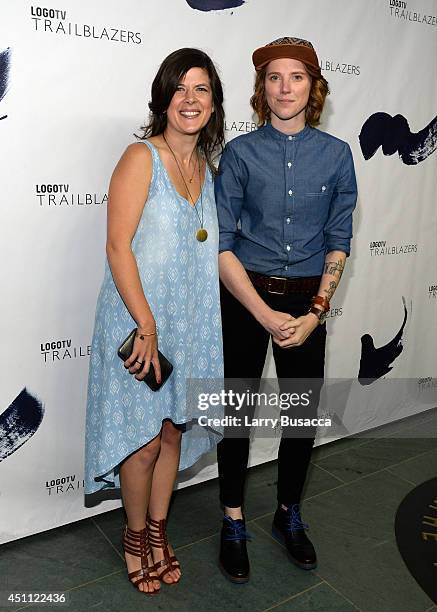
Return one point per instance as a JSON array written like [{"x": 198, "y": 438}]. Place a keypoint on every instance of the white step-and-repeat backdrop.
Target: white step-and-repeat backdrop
[{"x": 75, "y": 78}]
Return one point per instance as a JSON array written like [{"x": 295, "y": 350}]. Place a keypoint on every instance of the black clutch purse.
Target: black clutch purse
[{"x": 125, "y": 351}]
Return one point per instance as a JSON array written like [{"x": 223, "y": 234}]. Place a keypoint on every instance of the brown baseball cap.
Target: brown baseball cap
[{"x": 288, "y": 46}]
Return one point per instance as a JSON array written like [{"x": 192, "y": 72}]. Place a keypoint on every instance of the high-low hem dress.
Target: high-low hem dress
[{"x": 179, "y": 276}]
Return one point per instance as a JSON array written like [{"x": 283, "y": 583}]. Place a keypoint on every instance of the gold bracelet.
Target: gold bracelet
[{"x": 141, "y": 334}]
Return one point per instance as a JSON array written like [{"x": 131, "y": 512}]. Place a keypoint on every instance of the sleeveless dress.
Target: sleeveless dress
[{"x": 179, "y": 276}]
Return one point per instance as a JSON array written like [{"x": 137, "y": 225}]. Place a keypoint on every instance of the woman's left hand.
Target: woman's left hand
[{"x": 303, "y": 326}]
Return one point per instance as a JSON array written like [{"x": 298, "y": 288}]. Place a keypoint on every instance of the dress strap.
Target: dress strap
[{"x": 155, "y": 164}]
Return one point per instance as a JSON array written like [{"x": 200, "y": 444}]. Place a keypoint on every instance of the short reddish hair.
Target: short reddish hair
[{"x": 316, "y": 101}]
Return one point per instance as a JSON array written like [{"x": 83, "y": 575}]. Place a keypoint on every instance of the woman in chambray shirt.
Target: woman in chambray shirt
[{"x": 285, "y": 195}]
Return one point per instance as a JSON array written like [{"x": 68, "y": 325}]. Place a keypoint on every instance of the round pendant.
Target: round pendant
[{"x": 201, "y": 234}]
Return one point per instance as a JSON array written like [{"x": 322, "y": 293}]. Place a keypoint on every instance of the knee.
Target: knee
[
  {"x": 170, "y": 435},
  {"x": 148, "y": 454}
]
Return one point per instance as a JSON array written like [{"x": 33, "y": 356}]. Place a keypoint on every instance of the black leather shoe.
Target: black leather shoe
[
  {"x": 289, "y": 530},
  {"x": 234, "y": 561}
]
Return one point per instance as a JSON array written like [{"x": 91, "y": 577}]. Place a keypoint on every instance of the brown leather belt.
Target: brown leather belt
[{"x": 282, "y": 285}]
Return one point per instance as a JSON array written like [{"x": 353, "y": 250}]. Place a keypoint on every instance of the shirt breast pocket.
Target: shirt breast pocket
[
  {"x": 317, "y": 200},
  {"x": 315, "y": 189}
]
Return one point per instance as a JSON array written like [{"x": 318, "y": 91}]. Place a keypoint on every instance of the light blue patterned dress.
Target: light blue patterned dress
[{"x": 179, "y": 276}]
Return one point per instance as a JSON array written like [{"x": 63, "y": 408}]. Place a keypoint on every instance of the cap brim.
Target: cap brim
[{"x": 262, "y": 56}]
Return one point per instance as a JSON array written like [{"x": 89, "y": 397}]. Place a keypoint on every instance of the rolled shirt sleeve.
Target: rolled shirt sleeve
[
  {"x": 338, "y": 228},
  {"x": 229, "y": 195}
]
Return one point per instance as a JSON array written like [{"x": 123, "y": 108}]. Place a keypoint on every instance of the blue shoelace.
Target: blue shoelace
[
  {"x": 238, "y": 530},
  {"x": 293, "y": 520}
]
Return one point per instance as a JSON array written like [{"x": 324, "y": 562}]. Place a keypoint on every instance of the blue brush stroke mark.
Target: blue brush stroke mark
[
  {"x": 5, "y": 64},
  {"x": 394, "y": 135},
  {"x": 375, "y": 362},
  {"x": 214, "y": 5},
  {"x": 19, "y": 422}
]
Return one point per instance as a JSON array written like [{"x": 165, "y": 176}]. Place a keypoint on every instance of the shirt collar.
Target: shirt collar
[{"x": 278, "y": 135}]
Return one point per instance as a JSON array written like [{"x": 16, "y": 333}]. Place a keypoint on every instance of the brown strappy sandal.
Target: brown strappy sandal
[
  {"x": 158, "y": 539},
  {"x": 136, "y": 543}
]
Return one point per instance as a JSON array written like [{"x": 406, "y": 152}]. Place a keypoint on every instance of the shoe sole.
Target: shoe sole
[
  {"x": 280, "y": 538},
  {"x": 233, "y": 579}
]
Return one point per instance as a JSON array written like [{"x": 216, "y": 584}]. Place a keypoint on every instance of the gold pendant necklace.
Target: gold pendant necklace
[
  {"x": 201, "y": 234},
  {"x": 190, "y": 180}
]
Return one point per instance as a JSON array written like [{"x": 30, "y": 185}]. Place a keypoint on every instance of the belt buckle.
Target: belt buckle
[{"x": 277, "y": 278}]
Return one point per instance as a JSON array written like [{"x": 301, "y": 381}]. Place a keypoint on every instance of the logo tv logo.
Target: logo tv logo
[
  {"x": 59, "y": 350},
  {"x": 63, "y": 484},
  {"x": 54, "y": 21},
  {"x": 59, "y": 194}
]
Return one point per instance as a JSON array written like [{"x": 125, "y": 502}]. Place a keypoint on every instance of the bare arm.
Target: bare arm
[
  {"x": 303, "y": 326},
  {"x": 332, "y": 271},
  {"x": 128, "y": 192},
  {"x": 234, "y": 277}
]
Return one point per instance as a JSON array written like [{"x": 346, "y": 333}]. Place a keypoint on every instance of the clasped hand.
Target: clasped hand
[{"x": 288, "y": 331}]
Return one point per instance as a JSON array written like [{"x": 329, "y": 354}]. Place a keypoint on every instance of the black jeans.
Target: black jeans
[{"x": 245, "y": 344}]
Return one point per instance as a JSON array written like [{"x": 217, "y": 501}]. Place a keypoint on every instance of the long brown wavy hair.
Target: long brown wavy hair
[
  {"x": 170, "y": 73},
  {"x": 319, "y": 91}
]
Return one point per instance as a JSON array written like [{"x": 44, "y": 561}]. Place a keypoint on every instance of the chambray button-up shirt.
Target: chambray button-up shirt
[{"x": 283, "y": 202}]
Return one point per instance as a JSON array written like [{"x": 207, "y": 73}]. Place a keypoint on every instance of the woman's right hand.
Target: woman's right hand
[{"x": 144, "y": 352}]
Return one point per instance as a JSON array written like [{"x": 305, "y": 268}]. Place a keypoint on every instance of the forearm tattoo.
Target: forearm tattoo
[
  {"x": 331, "y": 290},
  {"x": 334, "y": 268}
]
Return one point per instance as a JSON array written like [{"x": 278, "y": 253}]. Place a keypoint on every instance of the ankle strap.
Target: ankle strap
[
  {"x": 157, "y": 524},
  {"x": 136, "y": 543},
  {"x": 158, "y": 536}
]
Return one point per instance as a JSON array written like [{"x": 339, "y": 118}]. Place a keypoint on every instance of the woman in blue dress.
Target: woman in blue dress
[{"x": 161, "y": 277}]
